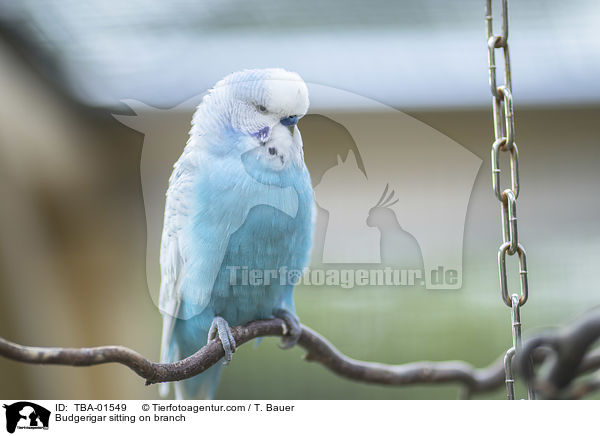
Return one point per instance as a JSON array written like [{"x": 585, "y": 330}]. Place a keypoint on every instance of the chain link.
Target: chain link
[
  {"x": 510, "y": 234},
  {"x": 522, "y": 272},
  {"x": 497, "y": 146},
  {"x": 504, "y": 134},
  {"x": 504, "y": 123}
]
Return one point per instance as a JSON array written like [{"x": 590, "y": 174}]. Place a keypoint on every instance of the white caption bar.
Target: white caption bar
[{"x": 22, "y": 417}]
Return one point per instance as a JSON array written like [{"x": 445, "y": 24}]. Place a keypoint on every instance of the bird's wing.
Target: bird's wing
[
  {"x": 171, "y": 259},
  {"x": 202, "y": 211}
]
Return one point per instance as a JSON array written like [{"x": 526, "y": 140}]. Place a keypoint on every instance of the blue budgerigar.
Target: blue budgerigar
[{"x": 238, "y": 219}]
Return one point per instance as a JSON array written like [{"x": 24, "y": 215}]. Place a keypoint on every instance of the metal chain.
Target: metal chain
[{"x": 504, "y": 133}]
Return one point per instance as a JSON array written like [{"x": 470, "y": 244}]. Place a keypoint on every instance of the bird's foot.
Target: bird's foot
[
  {"x": 220, "y": 328},
  {"x": 292, "y": 328}
]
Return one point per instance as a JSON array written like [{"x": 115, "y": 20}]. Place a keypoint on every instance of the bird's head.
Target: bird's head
[{"x": 260, "y": 110}]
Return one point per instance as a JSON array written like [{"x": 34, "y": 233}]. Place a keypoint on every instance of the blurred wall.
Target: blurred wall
[{"x": 72, "y": 253}]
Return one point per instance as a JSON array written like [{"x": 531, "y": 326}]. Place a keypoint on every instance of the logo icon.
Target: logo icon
[{"x": 26, "y": 415}]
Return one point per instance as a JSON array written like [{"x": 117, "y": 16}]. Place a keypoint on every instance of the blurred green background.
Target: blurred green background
[{"x": 73, "y": 241}]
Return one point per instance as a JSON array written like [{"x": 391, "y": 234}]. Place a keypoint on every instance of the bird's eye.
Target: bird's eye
[{"x": 261, "y": 108}]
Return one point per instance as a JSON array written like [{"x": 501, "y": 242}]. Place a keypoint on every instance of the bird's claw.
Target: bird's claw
[
  {"x": 220, "y": 328},
  {"x": 292, "y": 328}
]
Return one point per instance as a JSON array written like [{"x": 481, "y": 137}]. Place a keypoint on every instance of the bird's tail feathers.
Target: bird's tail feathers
[
  {"x": 200, "y": 387},
  {"x": 169, "y": 351}
]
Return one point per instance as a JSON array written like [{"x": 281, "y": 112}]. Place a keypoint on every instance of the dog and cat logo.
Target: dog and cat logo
[{"x": 26, "y": 415}]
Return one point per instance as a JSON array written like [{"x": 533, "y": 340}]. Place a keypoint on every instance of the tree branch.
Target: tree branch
[
  {"x": 570, "y": 348},
  {"x": 318, "y": 350}
]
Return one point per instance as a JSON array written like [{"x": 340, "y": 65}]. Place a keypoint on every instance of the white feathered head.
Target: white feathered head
[{"x": 262, "y": 106}]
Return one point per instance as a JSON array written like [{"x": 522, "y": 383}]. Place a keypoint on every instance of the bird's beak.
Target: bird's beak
[{"x": 290, "y": 122}]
